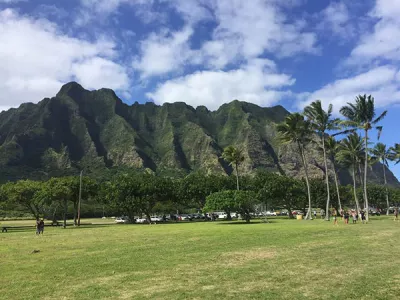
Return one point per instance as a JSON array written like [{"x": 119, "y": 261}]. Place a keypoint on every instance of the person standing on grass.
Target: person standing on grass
[
  {"x": 334, "y": 215},
  {"x": 341, "y": 214},
  {"x": 362, "y": 216},
  {"x": 346, "y": 217},
  {"x": 41, "y": 226},
  {"x": 396, "y": 214},
  {"x": 37, "y": 226},
  {"x": 315, "y": 214},
  {"x": 354, "y": 216}
]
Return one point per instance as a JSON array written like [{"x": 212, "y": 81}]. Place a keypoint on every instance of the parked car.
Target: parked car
[
  {"x": 156, "y": 219},
  {"x": 122, "y": 220},
  {"x": 270, "y": 214},
  {"x": 222, "y": 216},
  {"x": 141, "y": 220},
  {"x": 185, "y": 217},
  {"x": 375, "y": 213},
  {"x": 198, "y": 216}
]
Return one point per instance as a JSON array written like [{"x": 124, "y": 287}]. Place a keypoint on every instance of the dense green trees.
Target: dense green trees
[
  {"x": 283, "y": 192},
  {"x": 242, "y": 202},
  {"x": 144, "y": 194},
  {"x": 25, "y": 193},
  {"x": 137, "y": 194}
]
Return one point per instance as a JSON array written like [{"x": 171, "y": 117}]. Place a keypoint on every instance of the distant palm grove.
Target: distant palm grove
[{"x": 139, "y": 191}]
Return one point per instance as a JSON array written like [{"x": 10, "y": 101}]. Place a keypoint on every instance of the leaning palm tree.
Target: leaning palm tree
[
  {"x": 350, "y": 155},
  {"x": 382, "y": 154},
  {"x": 234, "y": 157},
  {"x": 322, "y": 121},
  {"x": 332, "y": 149},
  {"x": 296, "y": 129},
  {"x": 361, "y": 115},
  {"x": 395, "y": 153}
]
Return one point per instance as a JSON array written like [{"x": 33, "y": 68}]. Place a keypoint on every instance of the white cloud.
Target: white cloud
[
  {"x": 99, "y": 10},
  {"x": 96, "y": 72},
  {"x": 384, "y": 41},
  {"x": 11, "y": 1},
  {"x": 193, "y": 10},
  {"x": 37, "y": 59},
  {"x": 256, "y": 82},
  {"x": 255, "y": 27},
  {"x": 244, "y": 30},
  {"x": 335, "y": 19},
  {"x": 381, "y": 82},
  {"x": 163, "y": 53}
]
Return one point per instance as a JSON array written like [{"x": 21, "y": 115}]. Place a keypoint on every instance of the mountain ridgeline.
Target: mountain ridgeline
[{"x": 95, "y": 131}]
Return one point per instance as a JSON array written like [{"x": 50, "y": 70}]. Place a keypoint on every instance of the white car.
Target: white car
[
  {"x": 122, "y": 220},
  {"x": 270, "y": 214},
  {"x": 156, "y": 219},
  {"x": 141, "y": 220}
]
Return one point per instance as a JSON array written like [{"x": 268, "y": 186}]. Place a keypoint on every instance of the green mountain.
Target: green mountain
[{"x": 95, "y": 131}]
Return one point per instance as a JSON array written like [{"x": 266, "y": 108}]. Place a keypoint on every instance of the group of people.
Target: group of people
[
  {"x": 345, "y": 215},
  {"x": 39, "y": 226}
]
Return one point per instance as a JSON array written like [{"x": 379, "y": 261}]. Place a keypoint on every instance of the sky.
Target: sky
[{"x": 206, "y": 52}]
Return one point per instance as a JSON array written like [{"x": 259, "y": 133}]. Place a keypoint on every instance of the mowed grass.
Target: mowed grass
[{"x": 284, "y": 259}]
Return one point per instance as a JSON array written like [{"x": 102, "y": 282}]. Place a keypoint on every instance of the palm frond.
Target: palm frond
[
  {"x": 380, "y": 118},
  {"x": 379, "y": 128}
]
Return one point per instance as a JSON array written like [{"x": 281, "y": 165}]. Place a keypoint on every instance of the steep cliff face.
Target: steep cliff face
[{"x": 94, "y": 130}]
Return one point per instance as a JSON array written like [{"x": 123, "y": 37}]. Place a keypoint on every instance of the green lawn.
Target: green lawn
[{"x": 285, "y": 259}]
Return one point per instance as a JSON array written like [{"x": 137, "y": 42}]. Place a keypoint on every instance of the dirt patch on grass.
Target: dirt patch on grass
[{"x": 243, "y": 257}]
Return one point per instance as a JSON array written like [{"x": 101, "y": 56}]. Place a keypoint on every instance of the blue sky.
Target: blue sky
[{"x": 206, "y": 52}]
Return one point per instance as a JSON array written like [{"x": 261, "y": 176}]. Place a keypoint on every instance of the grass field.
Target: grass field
[{"x": 284, "y": 259}]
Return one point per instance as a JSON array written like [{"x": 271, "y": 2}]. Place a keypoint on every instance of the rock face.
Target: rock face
[{"x": 95, "y": 131}]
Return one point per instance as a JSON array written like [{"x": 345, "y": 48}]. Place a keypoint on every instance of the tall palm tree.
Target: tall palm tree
[
  {"x": 382, "y": 154},
  {"x": 361, "y": 115},
  {"x": 321, "y": 121},
  {"x": 350, "y": 155},
  {"x": 332, "y": 149},
  {"x": 296, "y": 129},
  {"x": 395, "y": 153},
  {"x": 234, "y": 156}
]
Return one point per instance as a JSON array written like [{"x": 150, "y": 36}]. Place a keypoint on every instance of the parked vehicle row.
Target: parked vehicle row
[{"x": 195, "y": 216}]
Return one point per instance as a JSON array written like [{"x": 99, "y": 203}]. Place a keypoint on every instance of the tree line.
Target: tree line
[
  {"x": 144, "y": 194},
  {"x": 136, "y": 193}
]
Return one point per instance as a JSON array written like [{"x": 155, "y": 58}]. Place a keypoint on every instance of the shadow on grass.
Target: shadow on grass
[{"x": 241, "y": 223}]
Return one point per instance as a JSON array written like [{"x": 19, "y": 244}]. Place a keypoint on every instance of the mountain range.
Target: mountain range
[{"x": 96, "y": 132}]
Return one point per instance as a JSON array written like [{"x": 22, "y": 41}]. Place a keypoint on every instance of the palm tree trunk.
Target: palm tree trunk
[
  {"x": 75, "y": 213},
  {"x": 386, "y": 189},
  {"x": 360, "y": 174},
  {"x": 326, "y": 178},
  {"x": 65, "y": 212},
  {"x": 237, "y": 176},
  {"x": 337, "y": 187},
  {"x": 308, "y": 215},
  {"x": 355, "y": 193},
  {"x": 365, "y": 177}
]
